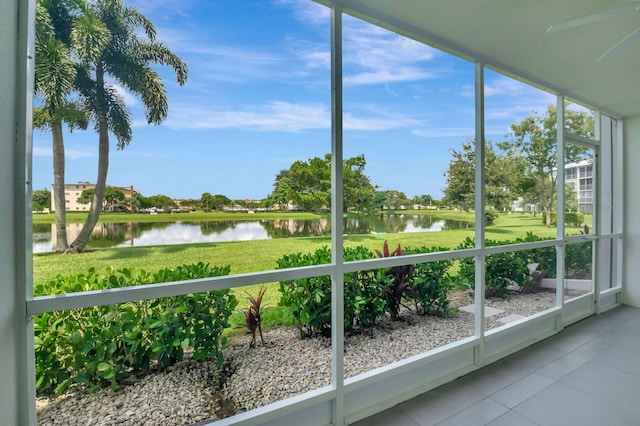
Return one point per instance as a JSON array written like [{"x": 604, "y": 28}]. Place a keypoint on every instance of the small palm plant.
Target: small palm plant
[
  {"x": 253, "y": 317},
  {"x": 400, "y": 277}
]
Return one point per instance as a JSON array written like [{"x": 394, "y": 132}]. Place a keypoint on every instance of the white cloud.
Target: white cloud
[
  {"x": 469, "y": 132},
  {"x": 69, "y": 153},
  {"x": 274, "y": 116},
  {"x": 444, "y": 132},
  {"x": 307, "y": 11},
  {"x": 41, "y": 152},
  {"x": 129, "y": 99},
  {"x": 285, "y": 117}
]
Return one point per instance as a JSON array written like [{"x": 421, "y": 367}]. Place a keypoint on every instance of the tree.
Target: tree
[
  {"x": 395, "y": 199},
  {"x": 41, "y": 199},
  {"x": 307, "y": 184},
  {"x": 423, "y": 200},
  {"x": 500, "y": 178},
  {"x": 216, "y": 202},
  {"x": 124, "y": 53},
  {"x": 55, "y": 72},
  {"x": 161, "y": 201},
  {"x": 112, "y": 196},
  {"x": 535, "y": 140}
]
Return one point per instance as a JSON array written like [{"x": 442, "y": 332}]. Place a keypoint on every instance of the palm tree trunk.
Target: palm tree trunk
[
  {"x": 101, "y": 182},
  {"x": 58, "y": 188}
]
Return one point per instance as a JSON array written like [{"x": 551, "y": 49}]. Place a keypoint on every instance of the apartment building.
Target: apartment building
[{"x": 73, "y": 191}]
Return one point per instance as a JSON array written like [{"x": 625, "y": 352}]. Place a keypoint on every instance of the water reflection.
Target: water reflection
[{"x": 164, "y": 233}]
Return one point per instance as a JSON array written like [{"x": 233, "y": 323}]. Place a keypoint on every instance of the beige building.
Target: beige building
[{"x": 73, "y": 191}]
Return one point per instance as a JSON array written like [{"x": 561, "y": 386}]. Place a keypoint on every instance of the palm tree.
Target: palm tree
[
  {"x": 55, "y": 73},
  {"x": 124, "y": 57}
]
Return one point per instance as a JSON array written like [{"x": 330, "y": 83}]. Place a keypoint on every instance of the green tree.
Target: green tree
[
  {"x": 378, "y": 200},
  {"x": 307, "y": 184},
  {"x": 215, "y": 202},
  {"x": 112, "y": 197},
  {"x": 161, "y": 201},
  {"x": 423, "y": 200},
  {"x": 125, "y": 56},
  {"x": 396, "y": 199},
  {"x": 41, "y": 199},
  {"x": 535, "y": 141},
  {"x": 500, "y": 178},
  {"x": 55, "y": 73}
]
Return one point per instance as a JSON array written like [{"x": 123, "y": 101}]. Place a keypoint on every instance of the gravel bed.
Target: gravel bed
[{"x": 192, "y": 391}]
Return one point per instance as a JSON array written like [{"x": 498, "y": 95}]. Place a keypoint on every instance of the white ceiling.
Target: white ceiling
[{"x": 511, "y": 35}]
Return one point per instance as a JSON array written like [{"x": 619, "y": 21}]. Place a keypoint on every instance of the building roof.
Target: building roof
[{"x": 511, "y": 36}]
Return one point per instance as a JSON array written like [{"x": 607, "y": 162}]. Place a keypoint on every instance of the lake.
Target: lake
[{"x": 184, "y": 232}]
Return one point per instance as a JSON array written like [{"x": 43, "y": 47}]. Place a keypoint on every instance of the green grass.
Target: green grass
[{"x": 261, "y": 255}]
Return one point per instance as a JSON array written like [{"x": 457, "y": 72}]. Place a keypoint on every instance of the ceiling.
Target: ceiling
[{"x": 511, "y": 36}]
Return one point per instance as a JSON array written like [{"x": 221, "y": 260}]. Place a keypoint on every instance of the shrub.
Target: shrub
[
  {"x": 367, "y": 294},
  {"x": 309, "y": 299},
  {"x": 503, "y": 269},
  {"x": 570, "y": 218},
  {"x": 103, "y": 344},
  {"x": 431, "y": 282},
  {"x": 490, "y": 216}
]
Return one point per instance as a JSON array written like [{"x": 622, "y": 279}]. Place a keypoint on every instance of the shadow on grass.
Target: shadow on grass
[{"x": 498, "y": 231}]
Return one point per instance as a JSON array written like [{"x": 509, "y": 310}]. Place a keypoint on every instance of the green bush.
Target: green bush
[
  {"x": 102, "y": 344},
  {"x": 431, "y": 282},
  {"x": 365, "y": 292},
  {"x": 503, "y": 269},
  {"x": 570, "y": 218},
  {"x": 578, "y": 259},
  {"x": 490, "y": 216},
  {"x": 309, "y": 299}
]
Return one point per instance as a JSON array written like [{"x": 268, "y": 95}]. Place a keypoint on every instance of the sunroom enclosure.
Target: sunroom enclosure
[{"x": 349, "y": 399}]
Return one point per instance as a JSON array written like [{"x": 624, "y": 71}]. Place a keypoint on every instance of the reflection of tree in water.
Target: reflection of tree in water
[
  {"x": 42, "y": 232},
  {"x": 392, "y": 223},
  {"x": 112, "y": 234},
  {"x": 427, "y": 222},
  {"x": 108, "y": 235},
  {"x": 215, "y": 226},
  {"x": 283, "y": 228}
]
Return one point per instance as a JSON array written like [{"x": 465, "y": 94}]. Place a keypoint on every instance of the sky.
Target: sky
[{"x": 257, "y": 98}]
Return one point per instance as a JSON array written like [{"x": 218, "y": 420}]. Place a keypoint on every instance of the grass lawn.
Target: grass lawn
[{"x": 261, "y": 255}]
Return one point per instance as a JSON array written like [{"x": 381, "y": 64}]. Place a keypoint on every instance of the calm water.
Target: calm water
[{"x": 161, "y": 233}]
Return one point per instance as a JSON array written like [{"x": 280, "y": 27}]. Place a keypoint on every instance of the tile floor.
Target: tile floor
[{"x": 587, "y": 375}]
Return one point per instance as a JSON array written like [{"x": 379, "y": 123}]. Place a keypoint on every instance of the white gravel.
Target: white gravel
[{"x": 191, "y": 391}]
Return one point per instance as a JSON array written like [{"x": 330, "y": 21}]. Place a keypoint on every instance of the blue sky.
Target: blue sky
[{"x": 258, "y": 98}]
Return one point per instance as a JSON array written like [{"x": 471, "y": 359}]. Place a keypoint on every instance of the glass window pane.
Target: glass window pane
[
  {"x": 578, "y": 269},
  {"x": 518, "y": 285},
  {"x": 238, "y": 174},
  {"x": 579, "y": 189},
  {"x": 520, "y": 157},
  {"x": 406, "y": 107},
  {"x": 395, "y": 313},
  {"x": 579, "y": 120},
  {"x": 177, "y": 360}
]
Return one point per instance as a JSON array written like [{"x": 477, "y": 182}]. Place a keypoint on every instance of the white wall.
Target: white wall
[
  {"x": 14, "y": 377},
  {"x": 631, "y": 278}
]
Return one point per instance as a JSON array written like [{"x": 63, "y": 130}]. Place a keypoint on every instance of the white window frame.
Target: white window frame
[{"x": 346, "y": 397}]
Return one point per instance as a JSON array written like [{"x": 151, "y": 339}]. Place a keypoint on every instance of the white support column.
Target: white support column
[
  {"x": 337, "y": 203},
  {"x": 560, "y": 249},
  {"x": 17, "y": 397},
  {"x": 480, "y": 207}
]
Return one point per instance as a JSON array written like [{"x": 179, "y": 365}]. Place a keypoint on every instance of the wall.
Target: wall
[
  {"x": 631, "y": 277},
  {"x": 14, "y": 364}
]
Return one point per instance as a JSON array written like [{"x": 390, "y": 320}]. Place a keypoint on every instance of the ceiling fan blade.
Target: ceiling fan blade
[
  {"x": 620, "y": 46},
  {"x": 589, "y": 19}
]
